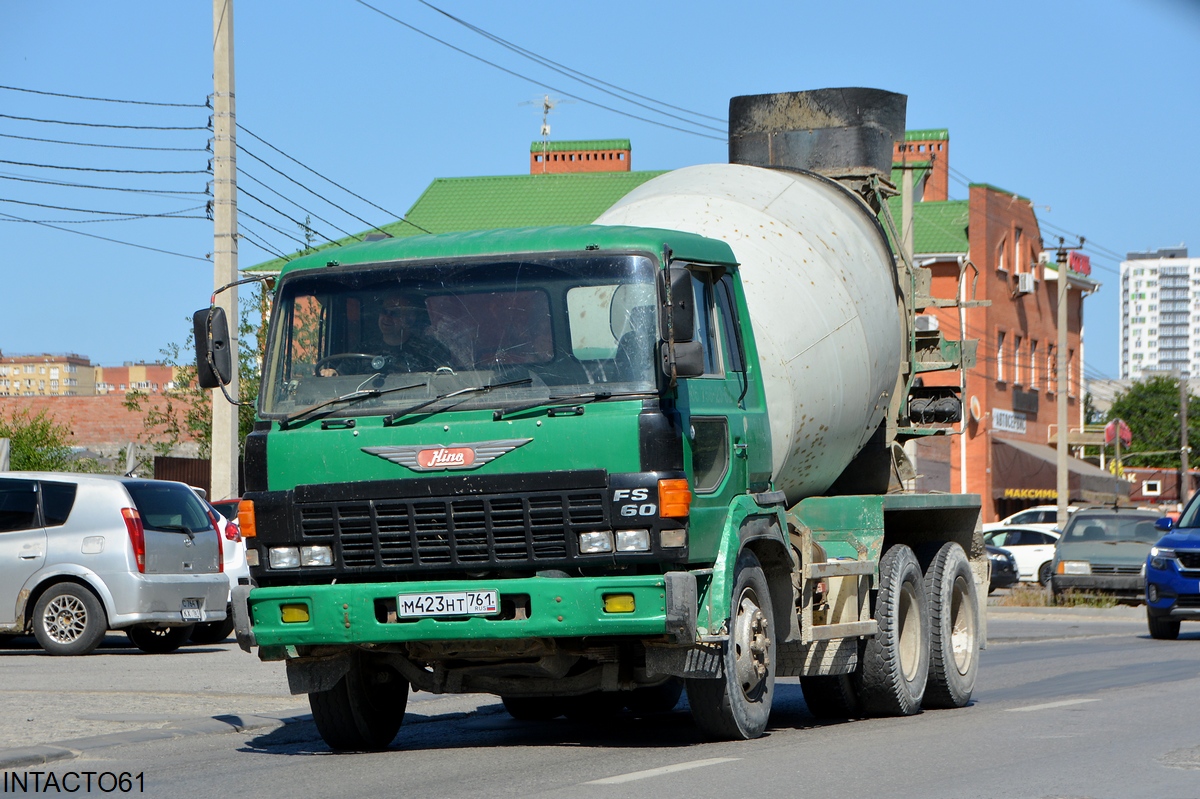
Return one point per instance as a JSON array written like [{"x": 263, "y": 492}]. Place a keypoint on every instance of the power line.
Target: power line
[
  {"x": 110, "y": 146},
  {"x": 125, "y": 214},
  {"x": 535, "y": 81},
  {"x": 121, "y": 171},
  {"x": 159, "y": 192},
  {"x": 283, "y": 233},
  {"x": 103, "y": 99},
  {"x": 129, "y": 214},
  {"x": 332, "y": 182},
  {"x": 313, "y": 193},
  {"x": 259, "y": 242},
  {"x": 101, "y": 125},
  {"x": 285, "y": 198},
  {"x": 582, "y": 77},
  {"x": 103, "y": 238},
  {"x": 242, "y": 190}
]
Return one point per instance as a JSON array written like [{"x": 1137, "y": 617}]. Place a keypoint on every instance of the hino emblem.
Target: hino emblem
[{"x": 425, "y": 458}]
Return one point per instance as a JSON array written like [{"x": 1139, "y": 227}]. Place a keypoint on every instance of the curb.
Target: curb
[{"x": 71, "y": 749}]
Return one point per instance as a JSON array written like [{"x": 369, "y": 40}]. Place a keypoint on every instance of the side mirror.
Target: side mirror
[
  {"x": 689, "y": 359},
  {"x": 214, "y": 365},
  {"x": 682, "y": 310},
  {"x": 1164, "y": 524}
]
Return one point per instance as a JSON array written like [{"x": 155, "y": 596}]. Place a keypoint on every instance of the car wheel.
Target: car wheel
[
  {"x": 894, "y": 666},
  {"x": 158, "y": 639},
  {"x": 363, "y": 711},
  {"x": 69, "y": 620},
  {"x": 737, "y": 705},
  {"x": 1044, "y": 574},
  {"x": 953, "y": 629},
  {"x": 1162, "y": 627},
  {"x": 213, "y": 632}
]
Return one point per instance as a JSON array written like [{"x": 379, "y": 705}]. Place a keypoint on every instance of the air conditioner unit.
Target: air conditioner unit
[{"x": 1025, "y": 283}]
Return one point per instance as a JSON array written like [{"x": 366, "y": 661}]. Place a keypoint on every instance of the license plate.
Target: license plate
[
  {"x": 192, "y": 610},
  {"x": 460, "y": 603}
]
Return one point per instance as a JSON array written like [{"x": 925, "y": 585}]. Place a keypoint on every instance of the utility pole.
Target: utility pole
[
  {"x": 1185, "y": 481},
  {"x": 1064, "y": 482},
  {"x": 225, "y": 250}
]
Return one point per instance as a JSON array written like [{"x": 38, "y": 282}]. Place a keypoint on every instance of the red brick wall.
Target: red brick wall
[
  {"x": 579, "y": 161},
  {"x": 99, "y": 423}
]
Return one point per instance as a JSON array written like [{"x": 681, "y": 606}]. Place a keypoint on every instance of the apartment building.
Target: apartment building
[
  {"x": 1160, "y": 313},
  {"x": 46, "y": 375}
]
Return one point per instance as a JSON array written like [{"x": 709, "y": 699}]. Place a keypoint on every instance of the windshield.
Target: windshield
[
  {"x": 407, "y": 333},
  {"x": 1111, "y": 529}
]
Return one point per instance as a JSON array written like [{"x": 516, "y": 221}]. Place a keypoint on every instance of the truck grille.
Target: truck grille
[{"x": 474, "y": 531}]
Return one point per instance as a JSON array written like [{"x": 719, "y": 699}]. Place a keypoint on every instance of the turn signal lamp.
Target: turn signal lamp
[
  {"x": 246, "y": 518},
  {"x": 674, "y": 498},
  {"x": 619, "y": 603},
  {"x": 293, "y": 614}
]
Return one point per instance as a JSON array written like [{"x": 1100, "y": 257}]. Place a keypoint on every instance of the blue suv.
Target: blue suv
[{"x": 1173, "y": 574}]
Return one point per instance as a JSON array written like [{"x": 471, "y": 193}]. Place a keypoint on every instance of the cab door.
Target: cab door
[
  {"x": 717, "y": 431},
  {"x": 22, "y": 542}
]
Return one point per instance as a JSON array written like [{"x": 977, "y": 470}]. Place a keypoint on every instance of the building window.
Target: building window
[
  {"x": 1001, "y": 251},
  {"x": 1000, "y": 356},
  {"x": 1051, "y": 369},
  {"x": 1151, "y": 488},
  {"x": 1016, "y": 370},
  {"x": 1033, "y": 361}
]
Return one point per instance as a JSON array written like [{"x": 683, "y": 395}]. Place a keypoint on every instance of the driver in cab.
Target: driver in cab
[{"x": 403, "y": 322}]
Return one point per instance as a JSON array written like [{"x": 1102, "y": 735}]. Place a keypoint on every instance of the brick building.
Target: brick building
[
  {"x": 99, "y": 424},
  {"x": 990, "y": 247},
  {"x": 152, "y": 378}
]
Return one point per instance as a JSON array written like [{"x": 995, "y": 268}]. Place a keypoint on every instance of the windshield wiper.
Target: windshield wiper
[
  {"x": 591, "y": 396},
  {"x": 392, "y": 417},
  {"x": 351, "y": 397}
]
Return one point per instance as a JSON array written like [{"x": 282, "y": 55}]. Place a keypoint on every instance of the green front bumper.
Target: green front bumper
[{"x": 556, "y": 608}]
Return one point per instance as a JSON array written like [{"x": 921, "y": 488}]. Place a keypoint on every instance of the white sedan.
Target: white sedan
[{"x": 1031, "y": 545}]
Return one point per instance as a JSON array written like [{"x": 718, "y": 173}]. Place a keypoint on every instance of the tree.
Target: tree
[
  {"x": 187, "y": 411},
  {"x": 1151, "y": 409},
  {"x": 36, "y": 442}
]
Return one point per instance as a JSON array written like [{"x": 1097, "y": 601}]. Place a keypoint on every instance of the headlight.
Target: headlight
[
  {"x": 595, "y": 543},
  {"x": 316, "y": 556},
  {"x": 284, "y": 557},
  {"x": 633, "y": 540},
  {"x": 1074, "y": 567},
  {"x": 1160, "y": 557}
]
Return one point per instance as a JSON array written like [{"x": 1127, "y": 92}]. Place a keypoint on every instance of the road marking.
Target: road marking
[
  {"x": 1048, "y": 705},
  {"x": 654, "y": 772}
]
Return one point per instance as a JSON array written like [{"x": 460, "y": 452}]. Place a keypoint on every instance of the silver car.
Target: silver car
[{"x": 84, "y": 554}]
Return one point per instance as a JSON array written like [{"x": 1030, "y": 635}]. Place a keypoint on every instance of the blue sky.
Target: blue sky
[{"x": 1091, "y": 110}]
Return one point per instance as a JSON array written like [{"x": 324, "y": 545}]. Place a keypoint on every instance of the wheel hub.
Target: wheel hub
[{"x": 751, "y": 643}]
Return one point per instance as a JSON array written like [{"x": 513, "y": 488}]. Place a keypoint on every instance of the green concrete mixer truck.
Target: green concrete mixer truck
[{"x": 587, "y": 469}]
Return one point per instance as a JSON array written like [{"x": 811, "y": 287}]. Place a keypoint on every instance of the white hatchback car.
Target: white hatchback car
[
  {"x": 1031, "y": 545},
  {"x": 1044, "y": 517},
  {"x": 81, "y": 554},
  {"x": 233, "y": 549}
]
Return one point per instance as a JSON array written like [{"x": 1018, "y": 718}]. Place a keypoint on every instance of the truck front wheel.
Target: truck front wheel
[
  {"x": 364, "y": 710},
  {"x": 895, "y": 662},
  {"x": 737, "y": 707},
  {"x": 954, "y": 628}
]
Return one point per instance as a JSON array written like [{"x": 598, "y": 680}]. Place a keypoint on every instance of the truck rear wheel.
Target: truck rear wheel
[
  {"x": 737, "y": 706},
  {"x": 831, "y": 696},
  {"x": 953, "y": 629},
  {"x": 364, "y": 710},
  {"x": 894, "y": 666}
]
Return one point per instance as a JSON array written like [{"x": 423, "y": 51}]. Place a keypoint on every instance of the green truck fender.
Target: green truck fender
[{"x": 762, "y": 529}]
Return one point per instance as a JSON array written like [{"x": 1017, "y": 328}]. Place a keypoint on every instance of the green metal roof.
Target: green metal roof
[
  {"x": 929, "y": 134},
  {"x": 938, "y": 227},
  {"x": 580, "y": 239},
  {"x": 505, "y": 201},
  {"x": 586, "y": 145}
]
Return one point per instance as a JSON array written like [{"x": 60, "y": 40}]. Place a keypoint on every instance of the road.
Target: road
[{"x": 1070, "y": 703}]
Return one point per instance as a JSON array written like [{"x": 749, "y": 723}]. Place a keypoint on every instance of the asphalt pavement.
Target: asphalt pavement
[{"x": 55, "y": 709}]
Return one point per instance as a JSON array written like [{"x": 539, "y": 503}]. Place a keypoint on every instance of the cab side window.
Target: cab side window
[
  {"x": 706, "y": 331},
  {"x": 18, "y": 505}
]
